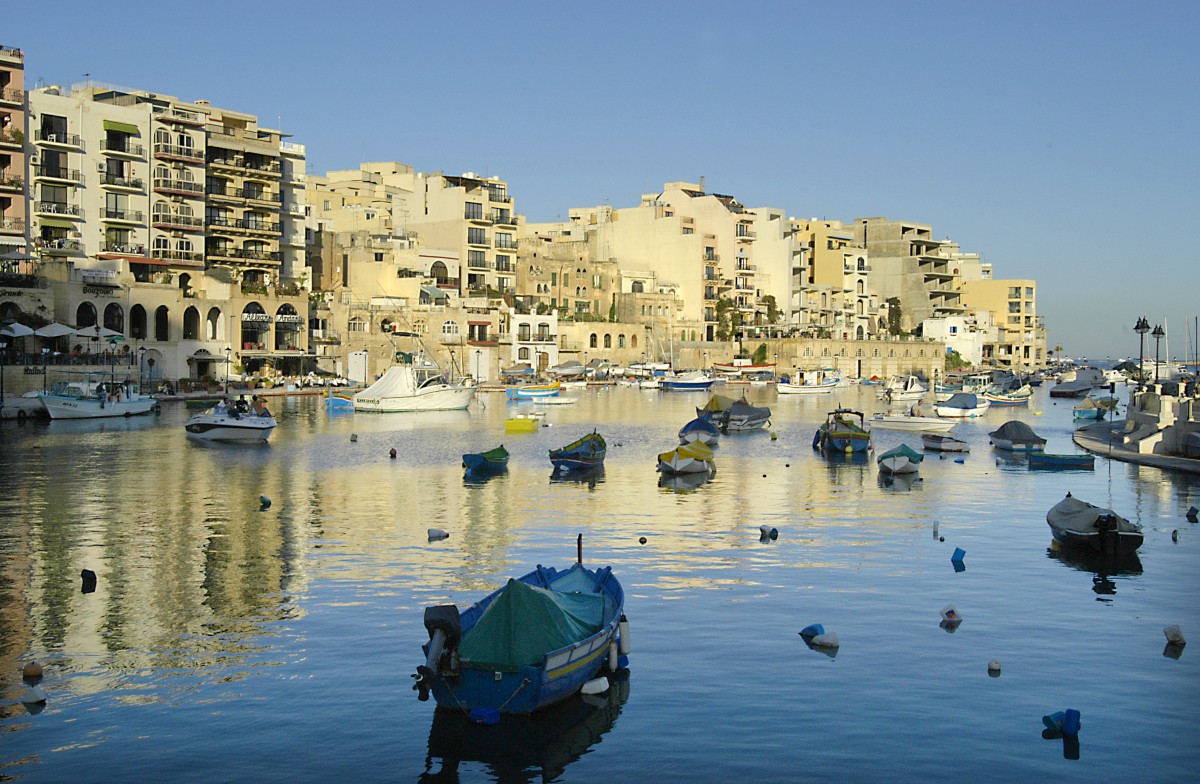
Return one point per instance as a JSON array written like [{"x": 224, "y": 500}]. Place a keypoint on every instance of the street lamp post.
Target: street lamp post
[
  {"x": 45, "y": 359},
  {"x": 478, "y": 365},
  {"x": 3, "y": 362},
  {"x": 227, "y": 351},
  {"x": 141, "y": 361},
  {"x": 1158, "y": 334},
  {"x": 1141, "y": 327}
]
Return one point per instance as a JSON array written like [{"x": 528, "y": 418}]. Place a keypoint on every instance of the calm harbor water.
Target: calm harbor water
[{"x": 231, "y": 644}]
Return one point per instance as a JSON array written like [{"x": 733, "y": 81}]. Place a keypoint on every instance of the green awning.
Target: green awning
[
  {"x": 57, "y": 223},
  {"x": 113, "y": 125}
]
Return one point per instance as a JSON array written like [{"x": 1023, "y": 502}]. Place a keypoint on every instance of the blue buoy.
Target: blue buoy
[
  {"x": 812, "y": 630},
  {"x": 961, "y": 460},
  {"x": 265, "y": 503},
  {"x": 959, "y": 554},
  {"x": 622, "y": 662},
  {"x": 1071, "y": 722},
  {"x": 1054, "y": 721}
]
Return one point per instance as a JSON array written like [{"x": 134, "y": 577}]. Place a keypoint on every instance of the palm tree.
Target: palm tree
[{"x": 1058, "y": 350}]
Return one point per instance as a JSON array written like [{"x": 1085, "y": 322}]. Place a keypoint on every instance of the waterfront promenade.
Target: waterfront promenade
[{"x": 1104, "y": 438}]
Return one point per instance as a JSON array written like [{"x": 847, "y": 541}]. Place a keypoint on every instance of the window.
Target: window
[
  {"x": 523, "y": 353},
  {"x": 688, "y": 230},
  {"x": 505, "y": 241},
  {"x": 378, "y": 256},
  {"x": 620, "y": 341},
  {"x": 358, "y": 324},
  {"x": 474, "y": 211},
  {"x": 953, "y": 330},
  {"x": 476, "y": 237},
  {"x": 592, "y": 341},
  {"x": 608, "y": 341},
  {"x": 1029, "y": 292},
  {"x": 450, "y": 329}
]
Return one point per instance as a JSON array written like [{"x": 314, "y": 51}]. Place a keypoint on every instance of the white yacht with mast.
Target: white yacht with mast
[{"x": 415, "y": 383}]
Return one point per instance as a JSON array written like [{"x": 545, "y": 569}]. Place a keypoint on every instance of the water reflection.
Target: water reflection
[
  {"x": 899, "y": 483},
  {"x": 683, "y": 483},
  {"x": 524, "y": 748},
  {"x": 1102, "y": 567},
  {"x": 590, "y": 477}
]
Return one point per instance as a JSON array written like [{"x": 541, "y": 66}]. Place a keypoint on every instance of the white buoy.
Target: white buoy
[
  {"x": 436, "y": 534},
  {"x": 994, "y": 667},
  {"x": 626, "y": 644},
  {"x": 950, "y": 614},
  {"x": 826, "y": 640},
  {"x": 595, "y": 686},
  {"x": 33, "y": 696},
  {"x": 1174, "y": 634}
]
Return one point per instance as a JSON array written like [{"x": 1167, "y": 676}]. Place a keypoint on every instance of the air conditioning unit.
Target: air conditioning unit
[
  {"x": 33, "y": 160},
  {"x": 77, "y": 235},
  {"x": 100, "y": 167}
]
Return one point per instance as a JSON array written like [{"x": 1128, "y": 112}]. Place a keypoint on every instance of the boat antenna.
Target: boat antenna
[{"x": 579, "y": 550}]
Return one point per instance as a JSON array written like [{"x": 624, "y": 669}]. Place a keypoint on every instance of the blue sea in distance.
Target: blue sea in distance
[{"x": 224, "y": 643}]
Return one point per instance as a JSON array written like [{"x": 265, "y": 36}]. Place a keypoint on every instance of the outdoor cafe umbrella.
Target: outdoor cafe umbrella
[
  {"x": 97, "y": 331},
  {"x": 16, "y": 255},
  {"x": 16, "y": 330},
  {"x": 54, "y": 330}
]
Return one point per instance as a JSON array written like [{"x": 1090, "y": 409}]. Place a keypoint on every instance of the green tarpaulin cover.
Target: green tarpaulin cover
[{"x": 524, "y": 623}]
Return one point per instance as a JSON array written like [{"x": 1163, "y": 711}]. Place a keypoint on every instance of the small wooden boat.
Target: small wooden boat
[
  {"x": 743, "y": 366},
  {"x": 937, "y": 442},
  {"x": 1016, "y": 436},
  {"x": 532, "y": 391},
  {"x": 742, "y": 417},
  {"x": 911, "y": 422},
  {"x": 491, "y": 461},
  {"x": 699, "y": 429},
  {"x": 528, "y": 645},
  {"x": 816, "y": 388},
  {"x": 1000, "y": 397},
  {"x": 901, "y": 460},
  {"x": 1046, "y": 460},
  {"x": 843, "y": 431},
  {"x": 1075, "y": 523},
  {"x": 690, "y": 458},
  {"x": 582, "y": 454}
]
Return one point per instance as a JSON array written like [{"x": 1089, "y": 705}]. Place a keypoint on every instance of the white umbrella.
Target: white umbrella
[
  {"x": 54, "y": 331},
  {"x": 16, "y": 255},
  {"x": 16, "y": 330}
]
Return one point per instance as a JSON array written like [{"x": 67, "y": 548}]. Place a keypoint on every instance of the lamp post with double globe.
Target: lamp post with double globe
[{"x": 1141, "y": 327}]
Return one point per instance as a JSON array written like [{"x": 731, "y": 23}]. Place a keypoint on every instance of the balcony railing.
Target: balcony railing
[
  {"x": 57, "y": 208},
  {"x": 172, "y": 114},
  {"x": 122, "y": 182},
  {"x": 473, "y": 215},
  {"x": 253, "y": 195},
  {"x": 122, "y": 247},
  {"x": 176, "y": 255},
  {"x": 711, "y": 257},
  {"x": 55, "y": 137},
  {"x": 13, "y": 182},
  {"x": 180, "y": 187},
  {"x": 504, "y": 218},
  {"x": 248, "y": 255},
  {"x": 57, "y": 173},
  {"x": 127, "y": 216},
  {"x": 58, "y": 245},
  {"x": 12, "y": 224},
  {"x": 241, "y": 223},
  {"x": 12, "y": 137},
  {"x": 12, "y": 95},
  {"x": 189, "y": 154},
  {"x": 122, "y": 147},
  {"x": 168, "y": 220},
  {"x": 506, "y": 244}
]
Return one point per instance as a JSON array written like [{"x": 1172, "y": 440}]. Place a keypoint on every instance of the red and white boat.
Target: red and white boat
[{"x": 742, "y": 365}]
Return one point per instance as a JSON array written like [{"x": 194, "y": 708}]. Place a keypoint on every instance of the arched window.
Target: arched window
[
  {"x": 860, "y": 309},
  {"x": 161, "y": 136},
  {"x": 907, "y": 353},
  {"x": 137, "y": 322},
  {"x": 862, "y": 265},
  {"x": 892, "y": 352},
  {"x": 592, "y": 341},
  {"x": 420, "y": 327},
  {"x": 256, "y": 326},
  {"x": 213, "y": 324},
  {"x": 357, "y": 324},
  {"x": 191, "y": 324},
  {"x": 450, "y": 330},
  {"x": 637, "y": 287},
  {"x": 608, "y": 341},
  {"x": 114, "y": 318},
  {"x": 876, "y": 354},
  {"x": 161, "y": 210},
  {"x": 825, "y": 351},
  {"x": 288, "y": 325},
  {"x": 161, "y": 323},
  {"x": 185, "y": 283},
  {"x": 633, "y": 341},
  {"x": 523, "y": 332},
  {"x": 862, "y": 286},
  {"x": 523, "y": 353},
  {"x": 858, "y": 335},
  {"x": 85, "y": 315},
  {"x": 808, "y": 352},
  {"x": 386, "y": 326},
  {"x": 621, "y": 341},
  {"x": 921, "y": 353}
]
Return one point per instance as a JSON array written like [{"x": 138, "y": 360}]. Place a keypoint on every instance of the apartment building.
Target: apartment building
[
  {"x": 836, "y": 295},
  {"x": 164, "y": 221},
  {"x": 908, "y": 264},
  {"x": 1020, "y": 335},
  {"x": 13, "y": 201}
]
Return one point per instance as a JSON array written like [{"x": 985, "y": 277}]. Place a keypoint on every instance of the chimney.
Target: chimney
[{"x": 702, "y": 184}]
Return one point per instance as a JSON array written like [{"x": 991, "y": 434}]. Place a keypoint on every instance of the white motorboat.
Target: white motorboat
[
  {"x": 808, "y": 389},
  {"x": 91, "y": 398},
  {"x": 221, "y": 424},
  {"x": 962, "y": 405},
  {"x": 419, "y": 386},
  {"x": 901, "y": 460},
  {"x": 906, "y": 388},
  {"x": 911, "y": 420}
]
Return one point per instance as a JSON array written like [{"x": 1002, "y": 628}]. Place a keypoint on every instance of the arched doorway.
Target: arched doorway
[
  {"x": 191, "y": 324},
  {"x": 137, "y": 322},
  {"x": 439, "y": 273},
  {"x": 9, "y": 311},
  {"x": 114, "y": 318},
  {"x": 288, "y": 324},
  {"x": 85, "y": 315},
  {"x": 162, "y": 324},
  {"x": 256, "y": 327}
]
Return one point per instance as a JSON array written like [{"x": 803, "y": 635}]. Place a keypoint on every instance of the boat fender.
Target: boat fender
[
  {"x": 32, "y": 672},
  {"x": 623, "y": 639},
  {"x": 264, "y": 503},
  {"x": 994, "y": 668},
  {"x": 353, "y": 438},
  {"x": 641, "y": 540},
  {"x": 768, "y": 532},
  {"x": 1174, "y": 634},
  {"x": 826, "y": 640},
  {"x": 392, "y": 453},
  {"x": 436, "y": 534},
  {"x": 1071, "y": 724},
  {"x": 950, "y": 614},
  {"x": 612, "y": 656},
  {"x": 89, "y": 581},
  {"x": 1192, "y": 514},
  {"x": 1175, "y": 535},
  {"x": 595, "y": 686}
]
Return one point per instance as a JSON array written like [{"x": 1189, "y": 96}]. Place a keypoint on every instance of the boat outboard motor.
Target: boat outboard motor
[
  {"x": 1107, "y": 526},
  {"x": 445, "y": 632}
]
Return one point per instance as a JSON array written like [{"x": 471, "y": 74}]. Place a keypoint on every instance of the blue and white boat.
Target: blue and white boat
[
  {"x": 694, "y": 381},
  {"x": 962, "y": 405},
  {"x": 533, "y": 391},
  {"x": 492, "y": 461},
  {"x": 526, "y": 646},
  {"x": 699, "y": 429},
  {"x": 582, "y": 454}
]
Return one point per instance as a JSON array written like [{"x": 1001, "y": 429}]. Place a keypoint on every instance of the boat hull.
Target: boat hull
[
  {"x": 83, "y": 408},
  {"x": 687, "y": 386},
  {"x": 245, "y": 430},
  {"x": 491, "y": 462},
  {"x": 911, "y": 423},
  {"x": 1016, "y": 446},
  {"x": 1042, "y": 460},
  {"x": 940, "y": 443},
  {"x": 805, "y": 389},
  {"x": 440, "y": 398}
]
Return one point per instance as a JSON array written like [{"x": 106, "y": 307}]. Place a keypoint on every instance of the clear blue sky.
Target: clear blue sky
[{"x": 1057, "y": 139}]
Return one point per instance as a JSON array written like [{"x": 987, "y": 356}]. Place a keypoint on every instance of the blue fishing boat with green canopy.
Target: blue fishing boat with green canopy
[{"x": 530, "y": 644}]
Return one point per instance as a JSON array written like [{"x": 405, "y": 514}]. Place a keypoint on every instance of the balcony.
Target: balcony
[
  {"x": 166, "y": 254},
  {"x": 744, "y": 234},
  {"x": 178, "y": 116},
  {"x": 173, "y": 152},
  {"x": 240, "y": 254},
  {"x": 270, "y": 169},
  {"x": 178, "y": 187},
  {"x": 12, "y": 96},
  {"x": 477, "y": 217},
  {"x": 116, "y": 182},
  {"x": 504, "y": 218},
  {"x": 478, "y": 264},
  {"x": 49, "y": 138},
  {"x": 745, "y": 266},
  {"x": 711, "y": 258},
  {"x": 164, "y": 220},
  {"x": 499, "y": 197},
  {"x": 261, "y": 196},
  {"x": 122, "y": 148},
  {"x": 243, "y": 224},
  {"x": 478, "y": 240},
  {"x": 541, "y": 337},
  {"x": 11, "y": 181},
  {"x": 12, "y": 225},
  {"x": 59, "y": 246},
  {"x": 505, "y": 266},
  {"x": 221, "y": 192},
  {"x": 12, "y": 138},
  {"x": 862, "y": 270},
  {"x": 327, "y": 337},
  {"x": 219, "y": 162},
  {"x": 124, "y": 248},
  {"x": 57, "y": 174},
  {"x": 57, "y": 208},
  {"x": 110, "y": 215}
]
